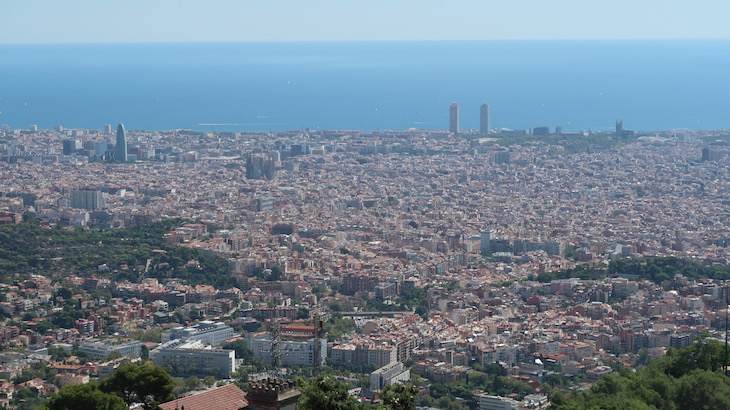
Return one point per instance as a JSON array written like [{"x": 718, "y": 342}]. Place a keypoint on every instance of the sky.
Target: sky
[{"x": 116, "y": 21}]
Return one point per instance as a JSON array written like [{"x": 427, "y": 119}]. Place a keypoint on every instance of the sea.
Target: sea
[{"x": 279, "y": 86}]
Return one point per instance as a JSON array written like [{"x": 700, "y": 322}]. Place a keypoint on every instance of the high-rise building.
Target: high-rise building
[
  {"x": 88, "y": 199},
  {"x": 484, "y": 119},
  {"x": 619, "y": 127},
  {"x": 454, "y": 118},
  {"x": 486, "y": 245},
  {"x": 121, "y": 144},
  {"x": 107, "y": 128},
  {"x": 70, "y": 146}
]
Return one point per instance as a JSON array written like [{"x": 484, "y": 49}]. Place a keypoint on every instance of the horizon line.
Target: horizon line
[{"x": 506, "y": 40}]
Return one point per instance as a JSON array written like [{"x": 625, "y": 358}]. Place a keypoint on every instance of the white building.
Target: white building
[
  {"x": 389, "y": 374},
  {"x": 208, "y": 332},
  {"x": 194, "y": 358},
  {"x": 487, "y": 402},
  {"x": 101, "y": 350}
]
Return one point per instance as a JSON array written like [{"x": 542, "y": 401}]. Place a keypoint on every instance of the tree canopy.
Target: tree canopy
[
  {"x": 28, "y": 247},
  {"x": 690, "y": 378},
  {"x": 325, "y": 393},
  {"x": 400, "y": 396},
  {"x": 147, "y": 383},
  {"x": 657, "y": 270},
  {"x": 85, "y": 396}
]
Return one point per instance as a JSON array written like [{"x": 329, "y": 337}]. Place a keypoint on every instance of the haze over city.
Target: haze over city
[{"x": 364, "y": 205}]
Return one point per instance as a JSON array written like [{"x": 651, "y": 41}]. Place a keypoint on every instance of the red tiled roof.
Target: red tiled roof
[{"x": 228, "y": 397}]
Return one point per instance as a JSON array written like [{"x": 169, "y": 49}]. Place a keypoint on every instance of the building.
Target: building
[
  {"x": 88, "y": 199},
  {"x": 487, "y": 402},
  {"x": 100, "y": 149},
  {"x": 484, "y": 119},
  {"x": 261, "y": 166},
  {"x": 121, "y": 149},
  {"x": 192, "y": 357},
  {"x": 293, "y": 353},
  {"x": 454, "y": 118},
  {"x": 619, "y": 127},
  {"x": 101, "y": 350},
  {"x": 542, "y": 131},
  {"x": 207, "y": 332},
  {"x": 501, "y": 157},
  {"x": 535, "y": 402},
  {"x": 389, "y": 374},
  {"x": 365, "y": 354},
  {"x": 264, "y": 203},
  {"x": 107, "y": 129},
  {"x": 386, "y": 290},
  {"x": 272, "y": 394},
  {"x": 70, "y": 146},
  {"x": 228, "y": 397},
  {"x": 486, "y": 247}
]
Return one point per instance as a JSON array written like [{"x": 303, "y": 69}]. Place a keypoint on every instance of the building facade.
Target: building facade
[
  {"x": 487, "y": 402},
  {"x": 121, "y": 147},
  {"x": 389, "y": 374},
  {"x": 194, "y": 358},
  {"x": 484, "y": 119},
  {"x": 100, "y": 350},
  {"x": 454, "y": 118},
  {"x": 207, "y": 332},
  {"x": 88, "y": 199},
  {"x": 293, "y": 353}
]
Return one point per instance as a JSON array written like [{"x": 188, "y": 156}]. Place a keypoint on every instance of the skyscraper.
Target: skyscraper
[
  {"x": 484, "y": 119},
  {"x": 454, "y": 118},
  {"x": 619, "y": 128},
  {"x": 88, "y": 199},
  {"x": 121, "y": 144}
]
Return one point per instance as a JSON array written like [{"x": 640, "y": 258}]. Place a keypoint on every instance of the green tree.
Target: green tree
[
  {"x": 114, "y": 356},
  {"x": 690, "y": 378},
  {"x": 148, "y": 384},
  {"x": 193, "y": 383},
  {"x": 325, "y": 393},
  {"x": 242, "y": 350},
  {"x": 209, "y": 381},
  {"x": 400, "y": 396},
  {"x": 302, "y": 313},
  {"x": 85, "y": 396}
]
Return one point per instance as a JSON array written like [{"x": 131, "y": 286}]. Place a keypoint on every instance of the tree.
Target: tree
[
  {"x": 147, "y": 383},
  {"x": 114, "y": 356},
  {"x": 193, "y": 383},
  {"x": 325, "y": 393},
  {"x": 302, "y": 313},
  {"x": 85, "y": 396},
  {"x": 242, "y": 350},
  {"x": 45, "y": 326},
  {"x": 400, "y": 396},
  {"x": 690, "y": 378},
  {"x": 209, "y": 381}
]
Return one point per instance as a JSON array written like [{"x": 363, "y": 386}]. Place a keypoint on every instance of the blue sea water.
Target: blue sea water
[{"x": 651, "y": 85}]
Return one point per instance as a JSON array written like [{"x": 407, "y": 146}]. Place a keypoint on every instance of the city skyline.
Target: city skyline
[{"x": 187, "y": 21}]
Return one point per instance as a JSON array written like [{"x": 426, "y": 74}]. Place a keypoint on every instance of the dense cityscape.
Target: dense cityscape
[{"x": 237, "y": 260}]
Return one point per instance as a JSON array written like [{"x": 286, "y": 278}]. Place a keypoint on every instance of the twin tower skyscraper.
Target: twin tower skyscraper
[{"x": 484, "y": 119}]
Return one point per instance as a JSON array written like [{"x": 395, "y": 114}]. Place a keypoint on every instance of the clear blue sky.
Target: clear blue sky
[{"x": 84, "y": 21}]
